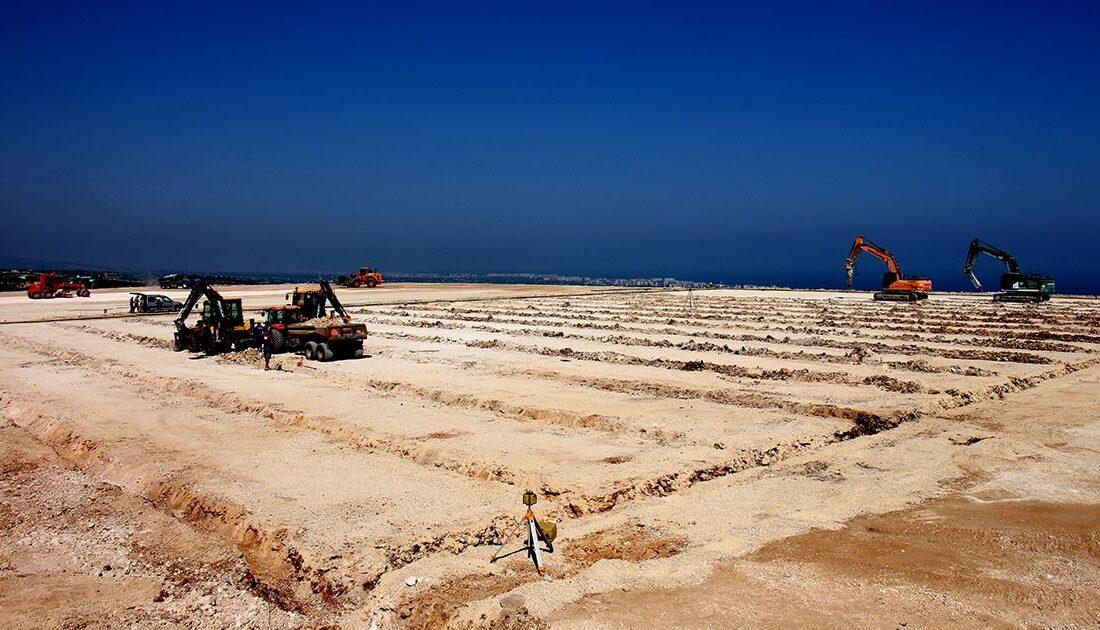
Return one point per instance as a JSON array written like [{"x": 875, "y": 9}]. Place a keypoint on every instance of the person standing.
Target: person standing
[{"x": 266, "y": 339}]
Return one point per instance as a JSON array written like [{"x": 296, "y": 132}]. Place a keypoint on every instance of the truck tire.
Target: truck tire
[
  {"x": 371, "y": 283},
  {"x": 324, "y": 352},
  {"x": 357, "y": 353},
  {"x": 84, "y": 293},
  {"x": 311, "y": 350}
]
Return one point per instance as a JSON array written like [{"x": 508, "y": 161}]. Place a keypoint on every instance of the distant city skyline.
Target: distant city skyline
[{"x": 697, "y": 141}]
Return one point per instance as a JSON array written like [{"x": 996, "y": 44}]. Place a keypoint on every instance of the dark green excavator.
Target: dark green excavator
[{"x": 1016, "y": 286}]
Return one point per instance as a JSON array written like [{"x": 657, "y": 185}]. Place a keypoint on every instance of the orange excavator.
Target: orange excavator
[{"x": 896, "y": 286}]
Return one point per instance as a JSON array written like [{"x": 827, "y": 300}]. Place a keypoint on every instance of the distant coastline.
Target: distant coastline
[{"x": 15, "y": 277}]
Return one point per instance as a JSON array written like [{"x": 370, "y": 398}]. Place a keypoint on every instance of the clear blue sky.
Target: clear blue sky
[{"x": 690, "y": 139}]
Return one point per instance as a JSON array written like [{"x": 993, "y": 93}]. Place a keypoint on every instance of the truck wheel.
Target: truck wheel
[
  {"x": 311, "y": 350},
  {"x": 324, "y": 352},
  {"x": 357, "y": 353},
  {"x": 371, "y": 282},
  {"x": 84, "y": 293}
]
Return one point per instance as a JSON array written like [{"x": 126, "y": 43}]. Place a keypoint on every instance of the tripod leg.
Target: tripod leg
[
  {"x": 533, "y": 544},
  {"x": 507, "y": 539}
]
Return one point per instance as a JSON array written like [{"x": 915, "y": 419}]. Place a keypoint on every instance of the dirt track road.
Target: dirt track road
[{"x": 764, "y": 457}]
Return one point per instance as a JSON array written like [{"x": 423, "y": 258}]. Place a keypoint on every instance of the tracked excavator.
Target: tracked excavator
[
  {"x": 220, "y": 327},
  {"x": 1016, "y": 286},
  {"x": 896, "y": 286}
]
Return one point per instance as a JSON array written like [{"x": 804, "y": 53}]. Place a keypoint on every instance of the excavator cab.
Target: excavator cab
[
  {"x": 232, "y": 313},
  {"x": 312, "y": 302},
  {"x": 281, "y": 316}
]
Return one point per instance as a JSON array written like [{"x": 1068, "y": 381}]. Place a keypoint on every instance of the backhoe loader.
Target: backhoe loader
[{"x": 220, "y": 327}]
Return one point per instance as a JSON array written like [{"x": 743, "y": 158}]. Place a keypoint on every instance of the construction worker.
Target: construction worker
[{"x": 266, "y": 337}]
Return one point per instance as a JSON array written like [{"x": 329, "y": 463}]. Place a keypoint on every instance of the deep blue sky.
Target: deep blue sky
[{"x": 668, "y": 138}]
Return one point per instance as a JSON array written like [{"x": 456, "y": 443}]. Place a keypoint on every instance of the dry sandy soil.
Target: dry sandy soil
[{"x": 745, "y": 458}]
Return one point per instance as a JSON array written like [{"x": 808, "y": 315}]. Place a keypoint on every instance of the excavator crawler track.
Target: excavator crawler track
[
  {"x": 901, "y": 296},
  {"x": 1027, "y": 297}
]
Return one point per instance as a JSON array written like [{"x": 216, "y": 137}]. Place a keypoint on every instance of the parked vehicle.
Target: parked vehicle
[{"x": 145, "y": 303}]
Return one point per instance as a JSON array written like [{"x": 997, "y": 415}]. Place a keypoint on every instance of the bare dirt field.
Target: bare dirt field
[{"x": 760, "y": 458}]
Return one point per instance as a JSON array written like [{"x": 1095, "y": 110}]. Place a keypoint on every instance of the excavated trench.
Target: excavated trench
[{"x": 289, "y": 575}]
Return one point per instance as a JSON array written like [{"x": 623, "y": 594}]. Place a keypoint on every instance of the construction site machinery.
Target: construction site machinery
[
  {"x": 896, "y": 286},
  {"x": 306, "y": 325},
  {"x": 51, "y": 285},
  {"x": 145, "y": 303},
  {"x": 365, "y": 277},
  {"x": 1016, "y": 286},
  {"x": 220, "y": 327}
]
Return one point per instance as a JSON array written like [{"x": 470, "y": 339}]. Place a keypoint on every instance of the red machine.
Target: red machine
[
  {"x": 896, "y": 286},
  {"x": 51, "y": 285},
  {"x": 303, "y": 325},
  {"x": 365, "y": 277}
]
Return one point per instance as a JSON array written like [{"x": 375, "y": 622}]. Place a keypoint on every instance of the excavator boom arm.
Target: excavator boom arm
[
  {"x": 863, "y": 245},
  {"x": 979, "y": 247},
  {"x": 326, "y": 290},
  {"x": 200, "y": 289}
]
